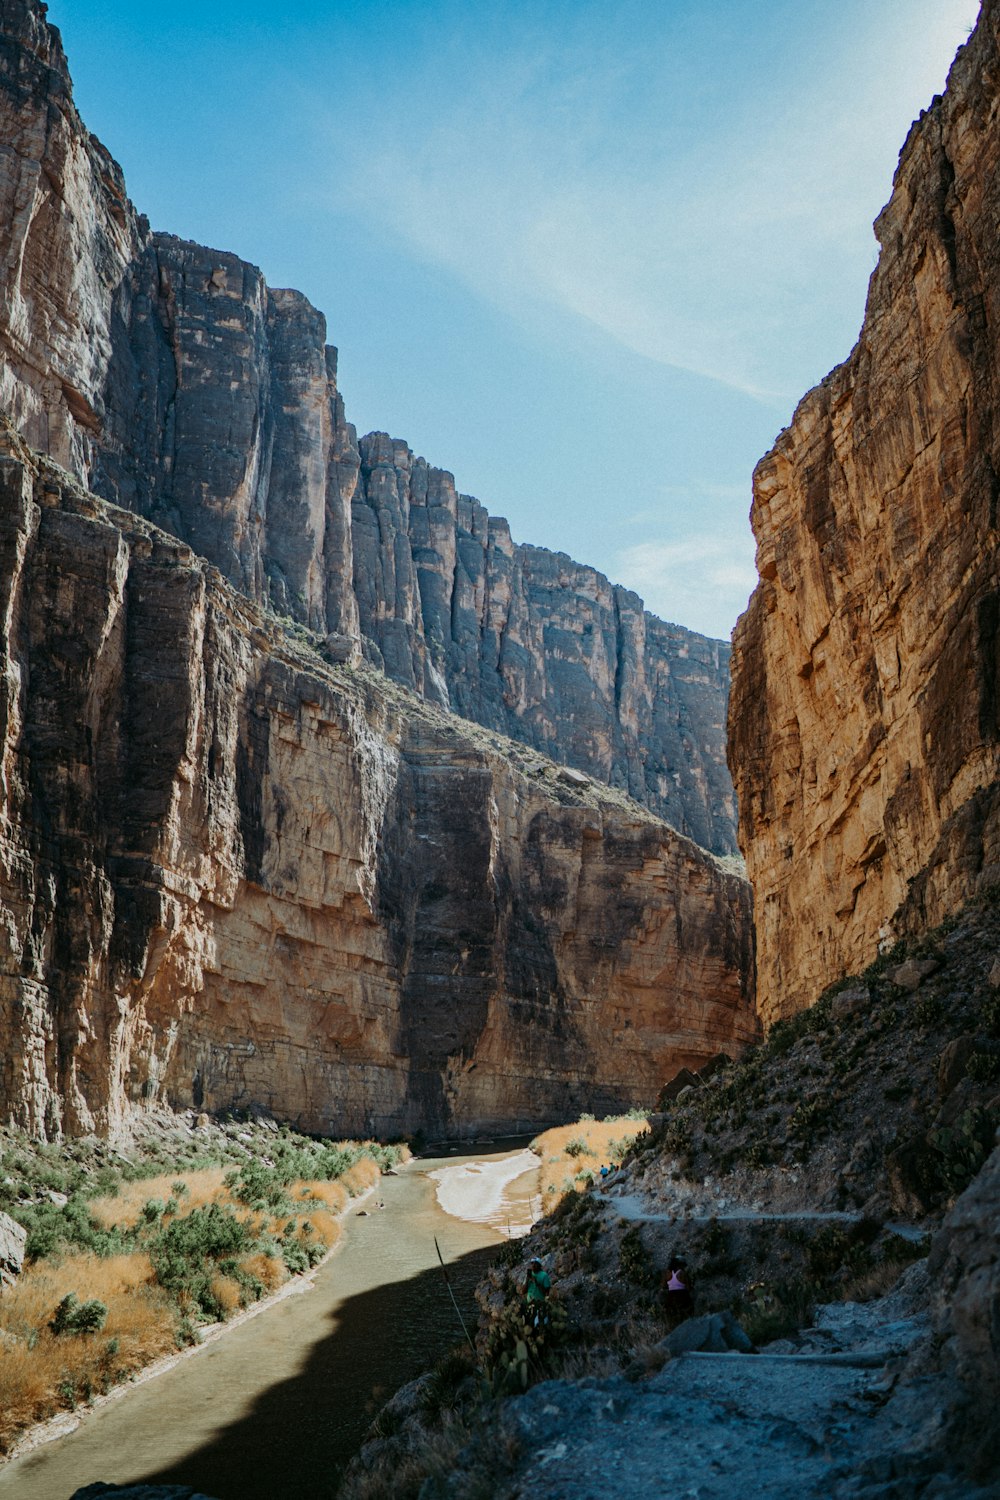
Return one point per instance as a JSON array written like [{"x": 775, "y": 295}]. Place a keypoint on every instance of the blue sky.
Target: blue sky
[{"x": 586, "y": 256}]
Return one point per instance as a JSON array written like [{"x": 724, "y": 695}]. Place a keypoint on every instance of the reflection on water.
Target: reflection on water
[{"x": 277, "y": 1406}]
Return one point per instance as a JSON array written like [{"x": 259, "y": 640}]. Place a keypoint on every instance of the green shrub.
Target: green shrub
[
  {"x": 73, "y": 1316},
  {"x": 929, "y": 1011},
  {"x": 633, "y": 1259},
  {"x": 983, "y": 1067},
  {"x": 777, "y": 1311},
  {"x": 957, "y": 1152},
  {"x": 990, "y": 1013},
  {"x": 576, "y": 1147}
]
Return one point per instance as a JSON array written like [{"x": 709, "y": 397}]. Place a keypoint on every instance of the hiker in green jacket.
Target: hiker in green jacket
[{"x": 537, "y": 1286}]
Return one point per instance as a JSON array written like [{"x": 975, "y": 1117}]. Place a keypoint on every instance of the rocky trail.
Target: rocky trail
[{"x": 710, "y": 1423}]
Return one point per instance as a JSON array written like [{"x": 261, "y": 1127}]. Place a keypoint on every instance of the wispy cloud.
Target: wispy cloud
[
  {"x": 728, "y": 237},
  {"x": 704, "y": 580}
]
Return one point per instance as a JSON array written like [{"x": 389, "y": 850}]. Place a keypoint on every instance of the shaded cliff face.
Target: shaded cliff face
[
  {"x": 864, "y": 728},
  {"x": 233, "y": 875},
  {"x": 169, "y": 378},
  {"x": 530, "y": 642},
  {"x": 67, "y": 234}
]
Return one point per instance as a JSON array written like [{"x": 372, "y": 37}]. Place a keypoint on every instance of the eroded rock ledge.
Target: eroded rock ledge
[
  {"x": 864, "y": 728},
  {"x": 232, "y": 874}
]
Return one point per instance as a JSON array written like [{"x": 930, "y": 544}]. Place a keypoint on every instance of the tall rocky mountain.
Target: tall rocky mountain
[
  {"x": 171, "y": 379},
  {"x": 235, "y": 875},
  {"x": 255, "y": 852},
  {"x": 865, "y": 715}
]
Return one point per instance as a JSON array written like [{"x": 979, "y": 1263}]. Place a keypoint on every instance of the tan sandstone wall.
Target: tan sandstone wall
[{"x": 864, "y": 730}]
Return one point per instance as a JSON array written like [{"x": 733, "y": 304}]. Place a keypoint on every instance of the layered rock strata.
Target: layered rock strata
[
  {"x": 865, "y": 715},
  {"x": 232, "y": 875},
  {"x": 170, "y": 379}
]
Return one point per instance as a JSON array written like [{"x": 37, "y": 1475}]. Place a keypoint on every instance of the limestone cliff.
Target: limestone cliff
[
  {"x": 540, "y": 647},
  {"x": 865, "y": 717},
  {"x": 232, "y": 874},
  {"x": 170, "y": 379}
]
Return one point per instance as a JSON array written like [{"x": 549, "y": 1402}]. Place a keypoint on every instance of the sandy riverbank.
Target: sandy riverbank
[{"x": 492, "y": 1192}]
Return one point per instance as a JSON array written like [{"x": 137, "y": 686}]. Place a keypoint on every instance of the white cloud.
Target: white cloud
[
  {"x": 734, "y": 243},
  {"x": 704, "y": 580}
]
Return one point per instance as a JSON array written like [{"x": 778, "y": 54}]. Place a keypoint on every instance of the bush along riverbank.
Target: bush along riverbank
[
  {"x": 836, "y": 1195},
  {"x": 130, "y": 1252}
]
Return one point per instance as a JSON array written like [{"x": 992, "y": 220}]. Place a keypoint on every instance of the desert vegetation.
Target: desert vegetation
[
  {"x": 129, "y": 1256},
  {"x": 572, "y": 1155}
]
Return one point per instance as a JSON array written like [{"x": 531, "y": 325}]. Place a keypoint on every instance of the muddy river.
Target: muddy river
[{"x": 278, "y": 1405}]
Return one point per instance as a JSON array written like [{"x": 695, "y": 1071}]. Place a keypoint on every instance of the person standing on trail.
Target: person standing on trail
[
  {"x": 537, "y": 1286},
  {"x": 677, "y": 1291}
]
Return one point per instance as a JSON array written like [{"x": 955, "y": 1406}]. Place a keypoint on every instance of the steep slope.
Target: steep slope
[
  {"x": 834, "y": 1194},
  {"x": 864, "y": 729},
  {"x": 169, "y": 378},
  {"x": 234, "y": 875}
]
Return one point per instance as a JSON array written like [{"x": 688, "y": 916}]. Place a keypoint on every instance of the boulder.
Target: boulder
[
  {"x": 712, "y": 1333},
  {"x": 682, "y": 1080},
  {"x": 13, "y": 1237},
  {"x": 716, "y": 1064},
  {"x": 850, "y": 1001},
  {"x": 964, "y": 1264},
  {"x": 953, "y": 1062},
  {"x": 911, "y": 974}
]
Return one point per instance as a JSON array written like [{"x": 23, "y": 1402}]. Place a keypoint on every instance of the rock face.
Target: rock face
[
  {"x": 13, "y": 1238},
  {"x": 865, "y": 716},
  {"x": 965, "y": 1262},
  {"x": 170, "y": 379},
  {"x": 531, "y": 643},
  {"x": 234, "y": 875}
]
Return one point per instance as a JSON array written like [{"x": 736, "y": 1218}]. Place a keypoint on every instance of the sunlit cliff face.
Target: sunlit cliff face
[{"x": 863, "y": 723}]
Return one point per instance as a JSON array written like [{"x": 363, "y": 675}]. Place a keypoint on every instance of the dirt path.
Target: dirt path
[{"x": 632, "y": 1207}]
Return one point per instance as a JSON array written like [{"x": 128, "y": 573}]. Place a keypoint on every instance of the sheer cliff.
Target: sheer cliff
[
  {"x": 171, "y": 379},
  {"x": 235, "y": 875},
  {"x": 864, "y": 728}
]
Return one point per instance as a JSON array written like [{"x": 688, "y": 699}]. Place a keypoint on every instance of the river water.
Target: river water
[{"x": 278, "y": 1405}]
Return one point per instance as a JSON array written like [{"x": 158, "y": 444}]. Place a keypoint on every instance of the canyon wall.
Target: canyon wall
[
  {"x": 865, "y": 713},
  {"x": 171, "y": 379},
  {"x": 235, "y": 875}
]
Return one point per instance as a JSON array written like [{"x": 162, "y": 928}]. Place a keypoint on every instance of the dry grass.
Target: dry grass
[
  {"x": 324, "y": 1226},
  {"x": 269, "y": 1270},
  {"x": 228, "y": 1293},
  {"x": 125, "y": 1208},
  {"x": 42, "y": 1372},
  {"x": 359, "y": 1178},
  {"x": 333, "y": 1195},
  {"x": 560, "y": 1168},
  {"x": 874, "y": 1283}
]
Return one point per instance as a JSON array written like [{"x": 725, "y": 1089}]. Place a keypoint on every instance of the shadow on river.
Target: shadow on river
[
  {"x": 297, "y": 1436},
  {"x": 278, "y": 1405}
]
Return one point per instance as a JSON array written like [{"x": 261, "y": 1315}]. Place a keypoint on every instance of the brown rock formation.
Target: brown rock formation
[
  {"x": 865, "y": 717},
  {"x": 233, "y": 875},
  {"x": 170, "y": 379}
]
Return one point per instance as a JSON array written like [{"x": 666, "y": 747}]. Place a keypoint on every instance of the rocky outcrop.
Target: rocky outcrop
[
  {"x": 13, "y": 1238},
  {"x": 865, "y": 716},
  {"x": 965, "y": 1263},
  {"x": 170, "y": 379},
  {"x": 233, "y": 874}
]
